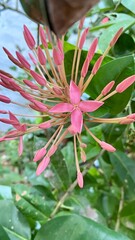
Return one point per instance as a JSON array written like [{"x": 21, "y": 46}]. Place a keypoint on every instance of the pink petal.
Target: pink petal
[
  {"x": 105, "y": 19},
  {"x": 29, "y": 38},
  {"x": 42, "y": 166},
  {"x": 125, "y": 84},
  {"x": 107, "y": 88},
  {"x": 41, "y": 56},
  {"x": 80, "y": 179},
  {"x": 115, "y": 38},
  {"x": 57, "y": 90},
  {"x": 83, "y": 38},
  {"x": 72, "y": 130},
  {"x": 77, "y": 120},
  {"x": 20, "y": 147},
  {"x": 41, "y": 80},
  {"x": 61, "y": 108},
  {"x": 85, "y": 68},
  {"x": 90, "y": 106},
  {"x": 97, "y": 65},
  {"x": 43, "y": 37},
  {"x": 92, "y": 49},
  {"x": 75, "y": 93},
  {"x": 33, "y": 59},
  {"x": 39, "y": 154},
  {"x": 107, "y": 146}
]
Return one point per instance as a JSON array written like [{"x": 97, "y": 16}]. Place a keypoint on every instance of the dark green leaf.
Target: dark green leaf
[
  {"x": 13, "y": 222},
  {"x": 117, "y": 70},
  {"x": 3, "y": 234},
  {"x": 76, "y": 227}
]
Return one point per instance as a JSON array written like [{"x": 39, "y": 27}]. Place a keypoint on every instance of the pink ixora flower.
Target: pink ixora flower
[{"x": 55, "y": 97}]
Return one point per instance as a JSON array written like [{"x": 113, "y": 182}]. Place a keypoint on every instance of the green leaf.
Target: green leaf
[
  {"x": 5, "y": 192},
  {"x": 128, "y": 215},
  {"x": 119, "y": 69},
  {"x": 32, "y": 205},
  {"x": 13, "y": 222},
  {"x": 76, "y": 227},
  {"x": 3, "y": 234},
  {"x": 121, "y": 20},
  {"x": 129, "y": 5},
  {"x": 125, "y": 168}
]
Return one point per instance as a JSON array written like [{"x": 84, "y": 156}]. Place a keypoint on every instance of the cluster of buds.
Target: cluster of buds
[{"x": 56, "y": 98}]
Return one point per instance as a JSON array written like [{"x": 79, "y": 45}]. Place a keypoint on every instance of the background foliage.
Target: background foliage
[{"x": 51, "y": 206}]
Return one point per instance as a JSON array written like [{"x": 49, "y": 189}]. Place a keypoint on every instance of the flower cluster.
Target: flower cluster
[{"x": 50, "y": 93}]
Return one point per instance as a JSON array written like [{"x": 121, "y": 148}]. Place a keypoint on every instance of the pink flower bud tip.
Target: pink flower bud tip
[
  {"x": 107, "y": 88},
  {"x": 57, "y": 56},
  {"x": 81, "y": 23},
  {"x": 127, "y": 121},
  {"x": 42, "y": 165},
  {"x": 85, "y": 68},
  {"x": 104, "y": 20},
  {"x": 107, "y": 147},
  {"x": 41, "y": 56},
  {"x": 22, "y": 60},
  {"x": 45, "y": 125},
  {"x": 121, "y": 87},
  {"x": 43, "y": 37},
  {"x": 52, "y": 150},
  {"x": 80, "y": 179},
  {"x": 41, "y": 80},
  {"x": 97, "y": 65},
  {"x": 131, "y": 116},
  {"x": 29, "y": 38},
  {"x": 4, "y": 99},
  {"x": 115, "y": 38},
  {"x": 39, "y": 154},
  {"x": 83, "y": 38}
]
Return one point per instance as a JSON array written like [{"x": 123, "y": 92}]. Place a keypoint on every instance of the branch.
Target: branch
[
  {"x": 73, "y": 185},
  {"x": 6, "y": 7}
]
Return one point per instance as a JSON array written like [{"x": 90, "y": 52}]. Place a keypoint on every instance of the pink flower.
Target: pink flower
[{"x": 76, "y": 107}]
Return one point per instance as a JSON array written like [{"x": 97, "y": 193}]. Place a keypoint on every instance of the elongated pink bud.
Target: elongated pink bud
[
  {"x": 57, "y": 90},
  {"x": 29, "y": 38},
  {"x": 27, "y": 96},
  {"x": 6, "y": 74},
  {"x": 115, "y": 38},
  {"x": 127, "y": 121},
  {"x": 81, "y": 23},
  {"x": 83, "y": 38},
  {"x": 80, "y": 179},
  {"x": 3, "y": 112},
  {"x": 20, "y": 147},
  {"x": 41, "y": 106},
  {"x": 45, "y": 125},
  {"x": 57, "y": 56},
  {"x": 121, "y": 87},
  {"x": 30, "y": 84},
  {"x": 107, "y": 88},
  {"x": 83, "y": 145},
  {"x": 60, "y": 46},
  {"x": 23, "y": 60},
  {"x": 83, "y": 155},
  {"x": 7, "y": 121},
  {"x": 39, "y": 154},
  {"x": 12, "y": 58},
  {"x": 43, "y": 165},
  {"x": 85, "y": 68},
  {"x": 52, "y": 150},
  {"x": 13, "y": 117},
  {"x": 33, "y": 59},
  {"x": 33, "y": 106},
  {"x": 97, "y": 65},
  {"x": 40, "y": 80},
  {"x": 4, "y": 99},
  {"x": 41, "y": 56},
  {"x": 108, "y": 147},
  {"x": 131, "y": 116},
  {"x": 92, "y": 49},
  {"x": 43, "y": 37}
]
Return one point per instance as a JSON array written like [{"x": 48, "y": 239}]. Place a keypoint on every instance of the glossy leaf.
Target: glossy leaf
[
  {"x": 76, "y": 227},
  {"x": 121, "y": 68},
  {"x": 13, "y": 222},
  {"x": 129, "y": 5}
]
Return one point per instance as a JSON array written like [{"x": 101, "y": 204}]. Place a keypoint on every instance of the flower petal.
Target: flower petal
[
  {"x": 61, "y": 108},
  {"x": 75, "y": 93},
  {"x": 90, "y": 106},
  {"x": 77, "y": 120}
]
